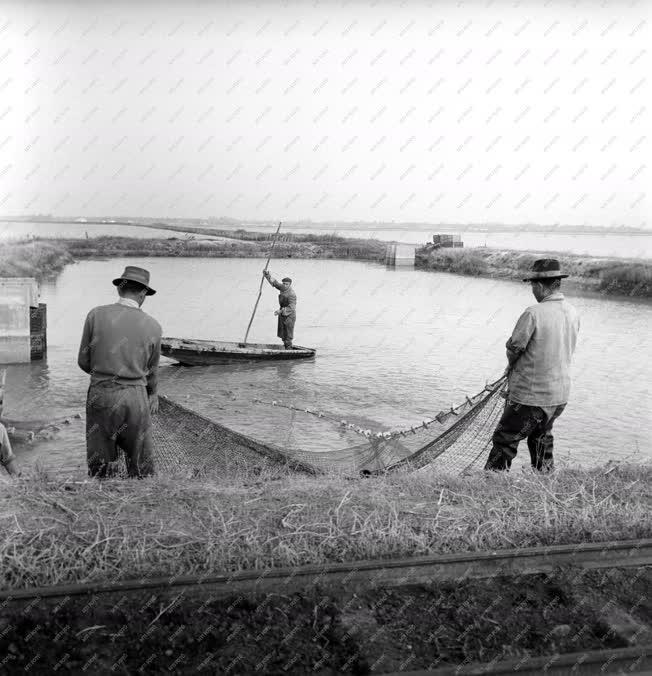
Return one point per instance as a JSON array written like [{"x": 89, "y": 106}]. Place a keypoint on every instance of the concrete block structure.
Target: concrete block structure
[
  {"x": 400, "y": 255},
  {"x": 17, "y": 296}
]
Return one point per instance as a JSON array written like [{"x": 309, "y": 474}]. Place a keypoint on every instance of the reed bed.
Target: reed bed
[
  {"x": 631, "y": 277},
  {"x": 28, "y": 259},
  {"x": 55, "y": 531}
]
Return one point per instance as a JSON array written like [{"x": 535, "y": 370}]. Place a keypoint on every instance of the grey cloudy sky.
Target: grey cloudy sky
[{"x": 407, "y": 111}]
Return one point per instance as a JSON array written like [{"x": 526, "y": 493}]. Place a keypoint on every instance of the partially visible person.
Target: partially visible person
[
  {"x": 7, "y": 458},
  {"x": 287, "y": 312},
  {"x": 539, "y": 355},
  {"x": 120, "y": 349}
]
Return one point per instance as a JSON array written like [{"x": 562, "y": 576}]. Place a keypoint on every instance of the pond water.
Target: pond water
[{"x": 394, "y": 346}]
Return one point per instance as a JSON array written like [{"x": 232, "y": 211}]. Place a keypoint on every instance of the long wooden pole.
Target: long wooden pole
[
  {"x": 260, "y": 290},
  {"x": 3, "y": 375}
]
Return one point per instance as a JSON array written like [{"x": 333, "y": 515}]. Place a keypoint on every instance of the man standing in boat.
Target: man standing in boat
[
  {"x": 539, "y": 355},
  {"x": 287, "y": 312},
  {"x": 120, "y": 349}
]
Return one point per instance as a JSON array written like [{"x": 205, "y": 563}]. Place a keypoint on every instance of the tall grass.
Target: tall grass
[
  {"x": 32, "y": 259},
  {"x": 631, "y": 277},
  {"x": 54, "y": 531},
  {"x": 460, "y": 261}
]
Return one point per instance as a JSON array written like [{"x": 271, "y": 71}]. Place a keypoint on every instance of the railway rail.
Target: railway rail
[
  {"x": 634, "y": 660},
  {"x": 361, "y": 575},
  {"x": 368, "y": 575}
]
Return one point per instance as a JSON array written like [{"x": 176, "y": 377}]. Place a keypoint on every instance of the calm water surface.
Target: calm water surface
[{"x": 394, "y": 346}]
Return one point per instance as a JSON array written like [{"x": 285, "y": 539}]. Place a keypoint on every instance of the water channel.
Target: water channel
[{"x": 394, "y": 347}]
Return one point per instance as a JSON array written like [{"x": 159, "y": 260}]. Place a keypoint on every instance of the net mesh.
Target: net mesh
[{"x": 457, "y": 439}]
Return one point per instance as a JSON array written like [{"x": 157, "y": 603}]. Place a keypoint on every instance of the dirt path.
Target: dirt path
[{"x": 380, "y": 631}]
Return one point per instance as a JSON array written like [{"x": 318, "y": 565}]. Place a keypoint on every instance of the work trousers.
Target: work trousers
[
  {"x": 6, "y": 454},
  {"x": 118, "y": 416},
  {"x": 285, "y": 329},
  {"x": 520, "y": 422}
]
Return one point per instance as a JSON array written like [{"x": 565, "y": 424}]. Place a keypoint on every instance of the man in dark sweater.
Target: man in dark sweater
[{"x": 120, "y": 349}]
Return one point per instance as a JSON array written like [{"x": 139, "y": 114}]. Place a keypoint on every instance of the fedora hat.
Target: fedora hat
[
  {"x": 134, "y": 274},
  {"x": 545, "y": 268}
]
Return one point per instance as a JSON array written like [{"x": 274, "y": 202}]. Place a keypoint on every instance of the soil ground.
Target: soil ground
[{"x": 380, "y": 631}]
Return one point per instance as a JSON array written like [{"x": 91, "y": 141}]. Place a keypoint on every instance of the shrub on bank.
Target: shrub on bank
[
  {"x": 608, "y": 275},
  {"x": 32, "y": 259},
  {"x": 460, "y": 261}
]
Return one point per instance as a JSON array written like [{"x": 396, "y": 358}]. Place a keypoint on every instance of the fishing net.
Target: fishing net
[
  {"x": 188, "y": 442},
  {"x": 453, "y": 440}
]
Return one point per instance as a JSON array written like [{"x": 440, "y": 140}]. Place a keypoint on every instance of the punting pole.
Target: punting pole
[{"x": 260, "y": 290}]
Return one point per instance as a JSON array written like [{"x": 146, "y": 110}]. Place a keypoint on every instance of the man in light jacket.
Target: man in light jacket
[
  {"x": 539, "y": 355},
  {"x": 120, "y": 349}
]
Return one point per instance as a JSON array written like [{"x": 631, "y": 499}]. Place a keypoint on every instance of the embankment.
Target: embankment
[
  {"x": 41, "y": 258},
  {"x": 63, "y": 532},
  {"x": 175, "y": 525},
  {"x": 609, "y": 276}
]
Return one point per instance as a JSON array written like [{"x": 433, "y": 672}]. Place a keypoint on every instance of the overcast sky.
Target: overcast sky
[{"x": 443, "y": 112}]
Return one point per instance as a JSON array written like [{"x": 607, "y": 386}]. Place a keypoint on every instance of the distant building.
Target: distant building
[{"x": 446, "y": 241}]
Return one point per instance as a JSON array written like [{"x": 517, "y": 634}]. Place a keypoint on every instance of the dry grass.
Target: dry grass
[
  {"x": 52, "y": 531},
  {"x": 32, "y": 259},
  {"x": 632, "y": 277}
]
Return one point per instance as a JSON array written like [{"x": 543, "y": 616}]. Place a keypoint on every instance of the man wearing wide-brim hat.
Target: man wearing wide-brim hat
[
  {"x": 539, "y": 355},
  {"x": 120, "y": 349}
]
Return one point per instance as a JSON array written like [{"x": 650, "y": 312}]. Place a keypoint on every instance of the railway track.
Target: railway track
[
  {"x": 634, "y": 660},
  {"x": 370, "y": 575},
  {"x": 363, "y": 575}
]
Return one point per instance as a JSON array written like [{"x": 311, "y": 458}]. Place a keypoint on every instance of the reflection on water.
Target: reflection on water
[{"x": 394, "y": 347}]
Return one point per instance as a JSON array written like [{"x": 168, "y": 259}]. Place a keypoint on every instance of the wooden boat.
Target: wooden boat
[{"x": 206, "y": 352}]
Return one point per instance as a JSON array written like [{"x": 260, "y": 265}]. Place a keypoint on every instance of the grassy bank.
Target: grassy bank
[
  {"x": 613, "y": 276},
  {"x": 33, "y": 259},
  {"x": 41, "y": 258},
  {"x": 56, "y": 532}
]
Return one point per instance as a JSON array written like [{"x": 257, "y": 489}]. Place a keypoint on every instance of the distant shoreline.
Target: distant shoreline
[
  {"x": 231, "y": 224},
  {"x": 45, "y": 257}
]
